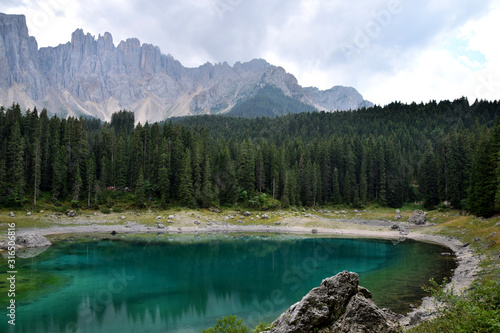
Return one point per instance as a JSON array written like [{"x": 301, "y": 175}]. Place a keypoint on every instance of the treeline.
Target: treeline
[{"x": 435, "y": 152}]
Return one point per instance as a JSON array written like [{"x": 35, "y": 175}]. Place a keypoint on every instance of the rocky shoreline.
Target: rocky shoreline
[{"x": 465, "y": 273}]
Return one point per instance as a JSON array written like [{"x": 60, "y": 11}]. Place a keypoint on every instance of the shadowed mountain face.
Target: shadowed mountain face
[{"x": 93, "y": 77}]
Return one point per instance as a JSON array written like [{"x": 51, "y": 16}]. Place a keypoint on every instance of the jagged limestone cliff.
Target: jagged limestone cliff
[{"x": 91, "y": 76}]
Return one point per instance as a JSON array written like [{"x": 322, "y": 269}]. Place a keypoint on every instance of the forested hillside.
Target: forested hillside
[{"x": 391, "y": 155}]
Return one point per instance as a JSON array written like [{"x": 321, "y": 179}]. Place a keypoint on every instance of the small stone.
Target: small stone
[
  {"x": 11, "y": 214},
  {"x": 197, "y": 222},
  {"x": 71, "y": 213},
  {"x": 247, "y": 213},
  {"x": 491, "y": 235},
  {"x": 265, "y": 216},
  {"x": 113, "y": 232},
  {"x": 122, "y": 217},
  {"x": 491, "y": 244},
  {"x": 28, "y": 214},
  {"x": 446, "y": 254},
  {"x": 158, "y": 218},
  {"x": 395, "y": 227},
  {"x": 171, "y": 217},
  {"x": 278, "y": 223},
  {"x": 314, "y": 231},
  {"x": 161, "y": 226},
  {"x": 170, "y": 221}
]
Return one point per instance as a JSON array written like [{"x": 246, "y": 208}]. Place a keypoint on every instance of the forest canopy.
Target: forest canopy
[{"x": 431, "y": 152}]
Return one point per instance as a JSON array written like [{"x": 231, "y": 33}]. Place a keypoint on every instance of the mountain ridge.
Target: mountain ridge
[{"x": 91, "y": 76}]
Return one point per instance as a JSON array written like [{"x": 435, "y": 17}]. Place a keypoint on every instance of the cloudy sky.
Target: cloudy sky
[{"x": 404, "y": 50}]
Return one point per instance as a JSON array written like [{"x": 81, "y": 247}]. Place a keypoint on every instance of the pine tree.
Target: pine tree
[
  {"x": 163, "y": 180},
  {"x": 428, "y": 183},
  {"x": 140, "y": 190},
  {"x": 481, "y": 193},
  {"x": 336, "y": 198},
  {"x": 186, "y": 192},
  {"x": 59, "y": 175},
  {"x": 36, "y": 171},
  {"x": 77, "y": 185},
  {"x": 246, "y": 169},
  {"x": 206, "y": 190},
  {"x": 120, "y": 166},
  {"x": 90, "y": 178}
]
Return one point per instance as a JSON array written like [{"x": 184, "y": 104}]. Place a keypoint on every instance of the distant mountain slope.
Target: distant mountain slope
[
  {"x": 93, "y": 77},
  {"x": 269, "y": 102}
]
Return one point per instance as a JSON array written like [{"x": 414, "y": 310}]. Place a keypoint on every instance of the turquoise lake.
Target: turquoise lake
[{"x": 184, "y": 283}]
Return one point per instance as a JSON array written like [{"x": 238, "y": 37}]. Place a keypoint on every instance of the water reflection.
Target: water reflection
[{"x": 157, "y": 286}]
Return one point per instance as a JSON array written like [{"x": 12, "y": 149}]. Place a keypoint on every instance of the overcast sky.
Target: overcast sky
[{"x": 404, "y": 50}]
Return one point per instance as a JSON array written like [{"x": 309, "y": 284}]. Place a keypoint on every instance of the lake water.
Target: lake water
[{"x": 183, "y": 283}]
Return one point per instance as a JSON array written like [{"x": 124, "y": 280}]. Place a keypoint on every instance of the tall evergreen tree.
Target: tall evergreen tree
[
  {"x": 140, "y": 190},
  {"x": 481, "y": 192},
  {"x": 36, "y": 171},
  {"x": 77, "y": 185},
  {"x": 428, "y": 182},
  {"x": 186, "y": 192}
]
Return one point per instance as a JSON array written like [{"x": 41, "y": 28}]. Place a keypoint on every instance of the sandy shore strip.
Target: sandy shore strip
[{"x": 465, "y": 273}]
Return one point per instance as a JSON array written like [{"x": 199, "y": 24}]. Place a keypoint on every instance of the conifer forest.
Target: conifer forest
[{"x": 401, "y": 153}]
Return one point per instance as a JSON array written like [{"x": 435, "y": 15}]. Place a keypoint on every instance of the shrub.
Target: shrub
[
  {"x": 228, "y": 324},
  {"x": 477, "y": 310},
  {"x": 106, "y": 211}
]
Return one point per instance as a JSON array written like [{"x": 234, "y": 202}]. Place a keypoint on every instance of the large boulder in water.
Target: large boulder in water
[{"x": 339, "y": 304}]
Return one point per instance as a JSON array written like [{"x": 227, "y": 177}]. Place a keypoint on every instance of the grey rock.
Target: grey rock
[
  {"x": 395, "y": 227},
  {"x": 28, "y": 240},
  {"x": 491, "y": 235},
  {"x": 491, "y": 244},
  {"x": 197, "y": 222},
  {"x": 215, "y": 210},
  {"x": 337, "y": 305},
  {"x": 246, "y": 214},
  {"x": 122, "y": 217},
  {"x": 28, "y": 214},
  {"x": 314, "y": 231},
  {"x": 11, "y": 214},
  {"x": 265, "y": 216},
  {"x": 161, "y": 226},
  {"x": 71, "y": 213},
  {"x": 82, "y": 76},
  {"x": 158, "y": 218},
  {"x": 171, "y": 217},
  {"x": 418, "y": 217}
]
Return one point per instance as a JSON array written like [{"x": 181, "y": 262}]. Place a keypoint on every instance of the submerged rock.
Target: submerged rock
[{"x": 339, "y": 304}]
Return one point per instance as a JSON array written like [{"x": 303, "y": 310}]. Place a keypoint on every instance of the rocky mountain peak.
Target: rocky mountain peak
[{"x": 90, "y": 76}]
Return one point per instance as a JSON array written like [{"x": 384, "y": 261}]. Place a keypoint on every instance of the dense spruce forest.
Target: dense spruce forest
[{"x": 390, "y": 155}]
